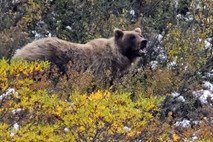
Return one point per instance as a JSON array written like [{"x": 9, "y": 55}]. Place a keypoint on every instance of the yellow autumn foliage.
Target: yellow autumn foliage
[
  {"x": 35, "y": 114},
  {"x": 17, "y": 74}
]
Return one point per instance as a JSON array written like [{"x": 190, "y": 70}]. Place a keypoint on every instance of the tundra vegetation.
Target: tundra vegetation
[{"x": 166, "y": 96}]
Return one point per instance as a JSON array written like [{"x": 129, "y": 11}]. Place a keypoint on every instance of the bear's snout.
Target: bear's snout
[
  {"x": 142, "y": 49},
  {"x": 143, "y": 43}
]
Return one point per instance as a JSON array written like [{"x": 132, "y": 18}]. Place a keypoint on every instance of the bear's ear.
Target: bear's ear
[
  {"x": 118, "y": 33},
  {"x": 138, "y": 30}
]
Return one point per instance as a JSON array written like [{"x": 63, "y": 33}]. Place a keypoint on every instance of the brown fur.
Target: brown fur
[{"x": 99, "y": 55}]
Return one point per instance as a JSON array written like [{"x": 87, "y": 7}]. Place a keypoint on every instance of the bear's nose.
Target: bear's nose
[{"x": 144, "y": 43}]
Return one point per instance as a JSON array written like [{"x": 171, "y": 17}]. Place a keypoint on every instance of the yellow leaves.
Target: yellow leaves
[
  {"x": 133, "y": 133},
  {"x": 46, "y": 115},
  {"x": 48, "y": 133},
  {"x": 149, "y": 104},
  {"x": 3, "y": 126},
  {"x": 81, "y": 129},
  {"x": 27, "y": 69},
  {"x": 3, "y": 74},
  {"x": 4, "y": 133},
  {"x": 26, "y": 81},
  {"x": 110, "y": 112},
  {"x": 3, "y": 83},
  {"x": 102, "y": 113},
  {"x": 59, "y": 110},
  {"x": 175, "y": 137},
  {"x": 19, "y": 74},
  {"x": 99, "y": 95},
  {"x": 51, "y": 105}
]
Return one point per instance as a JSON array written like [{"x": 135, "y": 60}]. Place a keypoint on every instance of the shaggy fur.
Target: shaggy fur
[{"x": 97, "y": 56}]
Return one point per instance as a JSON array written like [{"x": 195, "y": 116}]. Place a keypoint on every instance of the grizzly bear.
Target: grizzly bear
[{"x": 97, "y": 56}]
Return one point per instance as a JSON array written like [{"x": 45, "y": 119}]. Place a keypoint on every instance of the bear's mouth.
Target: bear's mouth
[{"x": 142, "y": 49}]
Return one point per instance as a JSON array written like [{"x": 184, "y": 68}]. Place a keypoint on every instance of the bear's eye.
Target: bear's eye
[{"x": 132, "y": 37}]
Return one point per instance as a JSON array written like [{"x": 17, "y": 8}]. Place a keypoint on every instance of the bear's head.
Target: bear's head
[{"x": 130, "y": 43}]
